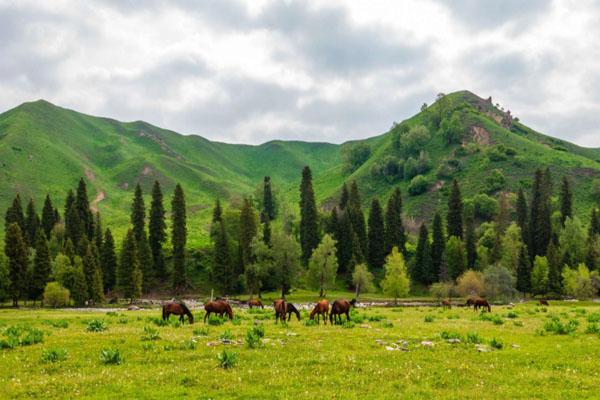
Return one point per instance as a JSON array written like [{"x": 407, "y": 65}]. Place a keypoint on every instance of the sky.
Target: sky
[{"x": 250, "y": 72}]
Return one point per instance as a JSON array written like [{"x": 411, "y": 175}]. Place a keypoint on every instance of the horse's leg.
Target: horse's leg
[
  {"x": 347, "y": 315},
  {"x": 206, "y": 315}
]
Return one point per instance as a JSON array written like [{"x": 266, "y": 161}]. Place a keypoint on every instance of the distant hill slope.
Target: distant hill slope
[{"x": 45, "y": 148}]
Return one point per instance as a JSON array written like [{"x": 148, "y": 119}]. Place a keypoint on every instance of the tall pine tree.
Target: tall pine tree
[
  {"x": 108, "y": 261},
  {"x": 470, "y": 242},
  {"x": 422, "y": 271},
  {"x": 48, "y": 217},
  {"x": 41, "y": 266},
  {"x": 268, "y": 200},
  {"x": 32, "y": 223},
  {"x": 344, "y": 197},
  {"x": 129, "y": 273},
  {"x": 376, "y": 236},
  {"x": 157, "y": 232},
  {"x": 222, "y": 271},
  {"x": 394, "y": 228},
  {"x": 138, "y": 214},
  {"x": 566, "y": 200},
  {"x": 524, "y": 271},
  {"x": 454, "y": 219},
  {"x": 83, "y": 209},
  {"x": 522, "y": 216},
  {"x": 248, "y": 230},
  {"x": 438, "y": 245},
  {"x": 16, "y": 253},
  {"x": 540, "y": 225},
  {"x": 179, "y": 237},
  {"x": 309, "y": 218},
  {"x": 357, "y": 218},
  {"x": 14, "y": 214},
  {"x": 73, "y": 224}
]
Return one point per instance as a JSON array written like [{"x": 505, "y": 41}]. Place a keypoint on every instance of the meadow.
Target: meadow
[{"x": 525, "y": 351}]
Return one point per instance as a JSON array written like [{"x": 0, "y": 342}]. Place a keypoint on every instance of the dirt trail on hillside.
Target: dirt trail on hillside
[{"x": 94, "y": 204}]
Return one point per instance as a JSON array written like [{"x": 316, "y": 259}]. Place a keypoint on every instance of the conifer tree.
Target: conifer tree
[
  {"x": 455, "y": 257},
  {"x": 566, "y": 200},
  {"x": 522, "y": 216},
  {"x": 69, "y": 250},
  {"x": 89, "y": 263},
  {"x": 108, "y": 261},
  {"x": 594, "y": 228},
  {"x": 138, "y": 214},
  {"x": 266, "y": 233},
  {"x": 540, "y": 224},
  {"x": 344, "y": 237},
  {"x": 93, "y": 274},
  {"x": 222, "y": 270},
  {"x": 344, "y": 197},
  {"x": 376, "y": 236},
  {"x": 179, "y": 237},
  {"x": 32, "y": 224},
  {"x": 454, "y": 219},
  {"x": 438, "y": 245},
  {"x": 554, "y": 268},
  {"x": 78, "y": 289},
  {"x": 41, "y": 266},
  {"x": 98, "y": 238},
  {"x": 422, "y": 271},
  {"x": 309, "y": 223},
  {"x": 48, "y": 217},
  {"x": 83, "y": 209},
  {"x": 217, "y": 217},
  {"x": 157, "y": 231},
  {"x": 394, "y": 228},
  {"x": 129, "y": 275},
  {"x": 14, "y": 214},
  {"x": 16, "y": 253},
  {"x": 357, "y": 218},
  {"x": 470, "y": 242},
  {"x": 248, "y": 230},
  {"x": 74, "y": 227},
  {"x": 269, "y": 209},
  {"x": 524, "y": 271}
]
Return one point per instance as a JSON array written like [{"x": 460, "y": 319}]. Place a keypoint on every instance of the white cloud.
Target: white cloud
[{"x": 314, "y": 70}]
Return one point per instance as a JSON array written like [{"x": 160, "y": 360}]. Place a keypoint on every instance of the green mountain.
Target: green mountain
[{"x": 46, "y": 149}]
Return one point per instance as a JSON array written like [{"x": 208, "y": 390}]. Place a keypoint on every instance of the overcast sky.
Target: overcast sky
[{"x": 310, "y": 70}]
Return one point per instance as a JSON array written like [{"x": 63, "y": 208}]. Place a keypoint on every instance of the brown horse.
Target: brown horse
[
  {"x": 290, "y": 308},
  {"x": 255, "y": 303},
  {"x": 176, "y": 308},
  {"x": 544, "y": 302},
  {"x": 218, "y": 307},
  {"x": 340, "y": 307},
  {"x": 446, "y": 304},
  {"x": 321, "y": 309},
  {"x": 280, "y": 307},
  {"x": 482, "y": 303}
]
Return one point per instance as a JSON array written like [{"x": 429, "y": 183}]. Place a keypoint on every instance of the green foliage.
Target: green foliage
[
  {"x": 394, "y": 228},
  {"x": 496, "y": 344},
  {"x": 157, "y": 231},
  {"x": 539, "y": 275},
  {"x": 376, "y": 250},
  {"x": 227, "y": 359},
  {"x": 557, "y": 327},
  {"x": 150, "y": 334},
  {"x": 16, "y": 254},
  {"x": 577, "y": 282},
  {"x": 484, "y": 207},
  {"x": 499, "y": 283},
  {"x": 178, "y": 237},
  {"x": 111, "y": 356},
  {"x": 414, "y": 140},
  {"x": 55, "y": 295},
  {"x": 455, "y": 257},
  {"x": 396, "y": 283},
  {"x": 254, "y": 336},
  {"x": 323, "y": 266},
  {"x": 96, "y": 325},
  {"x": 418, "y": 185},
  {"x": 454, "y": 218},
  {"x": 362, "y": 279},
  {"x": 53, "y": 355},
  {"x": 354, "y": 155},
  {"x": 452, "y": 129},
  {"x": 309, "y": 222},
  {"x": 495, "y": 181},
  {"x": 470, "y": 283}
]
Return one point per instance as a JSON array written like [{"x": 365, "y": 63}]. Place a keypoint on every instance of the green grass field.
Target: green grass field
[{"x": 297, "y": 361}]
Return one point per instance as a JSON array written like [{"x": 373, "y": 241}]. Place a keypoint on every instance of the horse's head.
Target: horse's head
[
  {"x": 229, "y": 311},
  {"x": 353, "y": 302},
  {"x": 191, "y": 318}
]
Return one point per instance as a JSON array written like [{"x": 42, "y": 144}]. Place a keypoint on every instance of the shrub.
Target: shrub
[
  {"x": 578, "y": 282},
  {"x": 387, "y": 324},
  {"x": 158, "y": 321},
  {"x": 55, "y": 295},
  {"x": 499, "y": 283},
  {"x": 494, "y": 181},
  {"x": 310, "y": 322},
  {"x": 32, "y": 336},
  {"x": 227, "y": 359},
  {"x": 226, "y": 335},
  {"x": 474, "y": 338},
  {"x": 348, "y": 324},
  {"x": 215, "y": 321},
  {"x": 512, "y": 315},
  {"x": 150, "y": 334},
  {"x": 111, "y": 357},
  {"x": 554, "y": 325},
  {"x": 59, "y": 323},
  {"x": 353, "y": 156},
  {"x": 593, "y": 328},
  {"x": 450, "y": 335},
  {"x": 429, "y": 318},
  {"x": 201, "y": 331},
  {"x": 470, "y": 283},
  {"x": 54, "y": 355},
  {"x": 484, "y": 207},
  {"x": 441, "y": 290},
  {"x": 418, "y": 185},
  {"x": 496, "y": 344},
  {"x": 96, "y": 325}
]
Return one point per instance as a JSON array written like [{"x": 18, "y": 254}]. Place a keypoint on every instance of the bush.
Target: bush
[
  {"x": 554, "y": 325},
  {"x": 499, "y": 283},
  {"x": 32, "y": 336},
  {"x": 496, "y": 344},
  {"x": 418, "y": 185},
  {"x": 474, "y": 338},
  {"x": 484, "y": 207},
  {"x": 412, "y": 142},
  {"x": 110, "y": 357},
  {"x": 54, "y": 355},
  {"x": 227, "y": 359},
  {"x": 450, "y": 335},
  {"x": 96, "y": 325},
  {"x": 55, "y": 295},
  {"x": 226, "y": 335},
  {"x": 215, "y": 321},
  {"x": 201, "y": 331},
  {"x": 494, "y": 181},
  {"x": 348, "y": 324},
  {"x": 429, "y": 318},
  {"x": 470, "y": 283},
  {"x": 59, "y": 323},
  {"x": 353, "y": 156},
  {"x": 254, "y": 335},
  {"x": 442, "y": 290},
  {"x": 578, "y": 282},
  {"x": 150, "y": 334}
]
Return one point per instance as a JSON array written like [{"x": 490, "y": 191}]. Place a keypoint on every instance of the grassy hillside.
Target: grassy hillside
[{"x": 45, "y": 148}]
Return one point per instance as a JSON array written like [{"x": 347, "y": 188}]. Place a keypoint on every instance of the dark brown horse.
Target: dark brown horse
[
  {"x": 446, "y": 304},
  {"x": 280, "y": 307},
  {"x": 482, "y": 303},
  {"x": 290, "y": 308},
  {"x": 218, "y": 307},
  {"x": 339, "y": 307},
  {"x": 255, "y": 303},
  {"x": 544, "y": 302},
  {"x": 321, "y": 309},
  {"x": 176, "y": 308}
]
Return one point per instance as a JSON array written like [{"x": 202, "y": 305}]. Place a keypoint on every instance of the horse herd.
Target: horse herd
[{"x": 284, "y": 310}]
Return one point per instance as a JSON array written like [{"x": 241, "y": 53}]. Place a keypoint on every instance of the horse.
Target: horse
[
  {"x": 290, "y": 308},
  {"x": 446, "y": 304},
  {"x": 482, "y": 303},
  {"x": 218, "y": 307},
  {"x": 544, "y": 302},
  {"x": 176, "y": 308},
  {"x": 340, "y": 307},
  {"x": 280, "y": 307},
  {"x": 321, "y": 309},
  {"x": 255, "y": 303}
]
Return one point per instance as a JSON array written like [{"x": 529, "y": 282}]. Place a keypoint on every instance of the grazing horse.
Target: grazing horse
[
  {"x": 482, "y": 303},
  {"x": 218, "y": 307},
  {"x": 176, "y": 308},
  {"x": 340, "y": 307},
  {"x": 321, "y": 309},
  {"x": 255, "y": 303},
  {"x": 544, "y": 302},
  {"x": 280, "y": 307},
  {"x": 290, "y": 308},
  {"x": 446, "y": 304}
]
